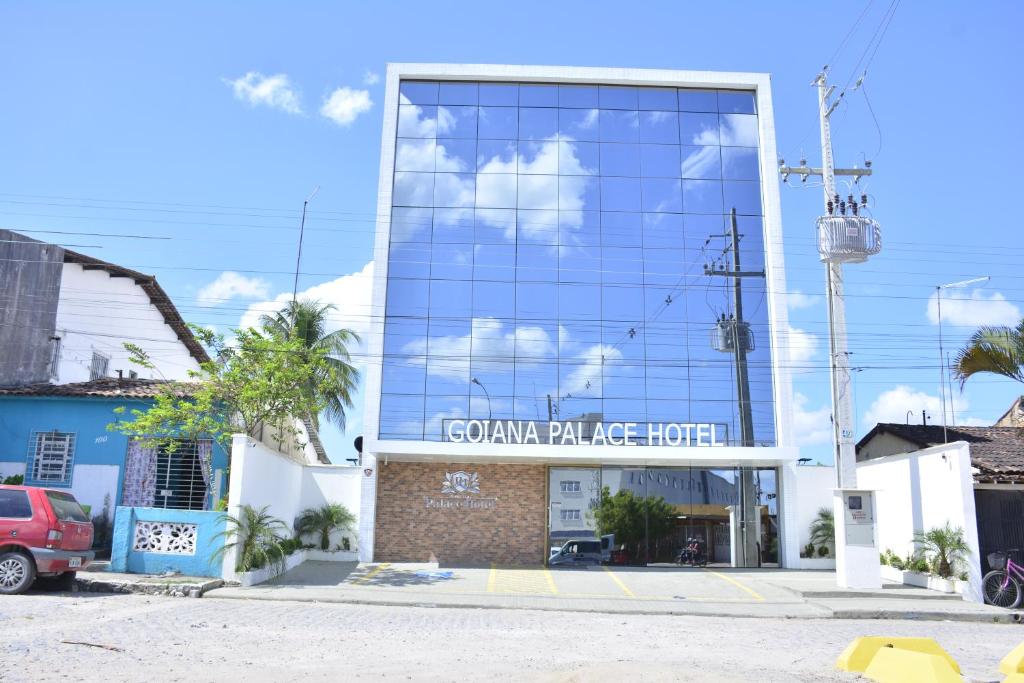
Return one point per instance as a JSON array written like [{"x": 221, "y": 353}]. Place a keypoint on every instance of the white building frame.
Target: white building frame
[{"x": 783, "y": 455}]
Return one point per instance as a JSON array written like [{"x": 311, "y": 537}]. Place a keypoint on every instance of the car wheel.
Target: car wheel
[{"x": 16, "y": 573}]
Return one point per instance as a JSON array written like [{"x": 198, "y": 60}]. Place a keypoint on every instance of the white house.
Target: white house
[{"x": 66, "y": 317}]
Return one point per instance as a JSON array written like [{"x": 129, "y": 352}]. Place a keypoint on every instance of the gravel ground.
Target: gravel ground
[{"x": 179, "y": 639}]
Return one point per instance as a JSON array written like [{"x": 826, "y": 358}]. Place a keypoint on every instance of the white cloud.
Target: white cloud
[
  {"x": 344, "y": 104},
  {"x": 973, "y": 309},
  {"x": 371, "y": 77},
  {"x": 350, "y": 295},
  {"x": 274, "y": 91},
  {"x": 812, "y": 427},
  {"x": 796, "y": 300},
  {"x": 802, "y": 345},
  {"x": 231, "y": 285},
  {"x": 892, "y": 406}
]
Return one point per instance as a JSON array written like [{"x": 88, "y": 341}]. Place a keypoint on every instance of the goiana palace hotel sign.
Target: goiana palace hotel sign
[{"x": 572, "y": 433}]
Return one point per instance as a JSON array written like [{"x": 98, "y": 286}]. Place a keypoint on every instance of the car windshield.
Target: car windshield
[{"x": 66, "y": 507}]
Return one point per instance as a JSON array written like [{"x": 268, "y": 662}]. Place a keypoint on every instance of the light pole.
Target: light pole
[
  {"x": 479, "y": 384},
  {"x": 942, "y": 356}
]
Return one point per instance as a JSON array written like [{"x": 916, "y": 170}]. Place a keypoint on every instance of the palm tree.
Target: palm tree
[
  {"x": 996, "y": 350},
  {"x": 306, "y": 320},
  {"x": 257, "y": 535},
  {"x": 323, "y": 520},
  {"x": 946, "y": 545},
  {"x": 823, "y": 528}
]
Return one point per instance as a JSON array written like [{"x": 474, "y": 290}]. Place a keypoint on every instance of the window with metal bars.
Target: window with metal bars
[
  {"x": 51, "y": 458},
  {"x": 99, "y": 365},
  {"x": 179, "y": 477}
]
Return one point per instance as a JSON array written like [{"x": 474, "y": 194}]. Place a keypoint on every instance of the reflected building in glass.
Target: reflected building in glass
[{"x": 584, "y": 247}]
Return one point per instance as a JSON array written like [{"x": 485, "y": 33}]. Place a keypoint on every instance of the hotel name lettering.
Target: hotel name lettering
[{"x": 688, "y": 434}]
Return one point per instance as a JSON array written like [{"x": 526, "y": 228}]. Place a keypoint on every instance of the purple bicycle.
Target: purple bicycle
[{"x": 1002, "y": 586}]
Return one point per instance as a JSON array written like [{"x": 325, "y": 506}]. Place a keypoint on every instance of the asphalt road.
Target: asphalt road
[{"x": 140, "y": 638}]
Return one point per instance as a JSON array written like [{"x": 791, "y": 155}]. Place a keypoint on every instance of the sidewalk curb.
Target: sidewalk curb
[
  {"x": 170, "y": 589},
  {"x": 822, "y": 611}
]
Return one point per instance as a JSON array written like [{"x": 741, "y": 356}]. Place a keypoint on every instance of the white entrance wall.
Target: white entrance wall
[
  {"x": 814, "y": 487},
  {"x": 922, "y": 490},
  {"x": 262, "y": 477}
]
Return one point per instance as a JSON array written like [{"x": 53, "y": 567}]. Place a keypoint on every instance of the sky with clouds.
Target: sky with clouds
[{"x": 181, "y": 139}]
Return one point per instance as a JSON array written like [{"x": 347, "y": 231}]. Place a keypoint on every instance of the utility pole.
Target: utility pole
[
  {"x": 843, "y": 238},
  {"x": 733, "y": 334}
]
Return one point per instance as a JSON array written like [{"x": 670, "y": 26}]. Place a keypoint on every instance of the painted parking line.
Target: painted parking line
[
  {"x": 724, "y": 577},
  {"x": 618, "y": 582},
  {"x": 492, "y": 577},
  {"x": 551, "y": 581},
  {"x": 372, "y": 573}
]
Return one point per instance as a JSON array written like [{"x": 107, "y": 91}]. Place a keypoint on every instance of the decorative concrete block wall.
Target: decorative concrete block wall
[{"x": 155, "y": 541}]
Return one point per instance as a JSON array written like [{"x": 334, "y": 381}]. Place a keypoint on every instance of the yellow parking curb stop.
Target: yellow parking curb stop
[
  {"x": 894, "y": 665},
  {"x": 862, "y": 651},
  {"x": 1013, "y": 663}
]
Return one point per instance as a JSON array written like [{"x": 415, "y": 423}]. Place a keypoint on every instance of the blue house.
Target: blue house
[{"x": 56, "y": 436}]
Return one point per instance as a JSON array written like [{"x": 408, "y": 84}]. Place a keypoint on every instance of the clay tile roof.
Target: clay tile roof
[
  {"x": 105, "y": 387},
  {"x": 157, "y": 296},
  {"x": 996, "y": 452}
]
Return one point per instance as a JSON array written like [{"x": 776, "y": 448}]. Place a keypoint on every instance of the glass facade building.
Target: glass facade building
[{"x": 557, "y": 251}]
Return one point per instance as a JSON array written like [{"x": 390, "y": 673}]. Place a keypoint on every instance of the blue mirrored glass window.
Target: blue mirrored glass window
[{"x": 550, "y": 240}]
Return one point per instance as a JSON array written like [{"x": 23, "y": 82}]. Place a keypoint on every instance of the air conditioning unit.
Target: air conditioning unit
[
  {"x": 724, "y": 334},
  {"x": 848, "y": 239}
]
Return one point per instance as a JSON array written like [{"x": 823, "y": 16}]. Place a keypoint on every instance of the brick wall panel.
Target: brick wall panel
[{"x": 511, "y": 533}]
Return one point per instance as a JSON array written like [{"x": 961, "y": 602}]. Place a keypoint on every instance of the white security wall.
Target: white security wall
[
  {"x": 923, "y": 490},
  {"x": 99, "y": 312},
  {"x": 814, "y": 491},
  {"x": 262, "y": 477}
]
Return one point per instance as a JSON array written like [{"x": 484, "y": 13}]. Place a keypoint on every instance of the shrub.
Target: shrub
[
  {"x": 823, "y": 551},
  {"x": 323, "y": 520},
  {"x": 916, "y": 563},
  {"x": 808, "y": 550},
  {"x": 946, "y": 547},
  {"x": 257, "y": 536}
]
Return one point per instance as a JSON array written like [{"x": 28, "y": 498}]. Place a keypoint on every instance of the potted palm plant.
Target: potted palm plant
[
  {"x": 324, "y": 520},
  {"x": 946, "y": 550}
]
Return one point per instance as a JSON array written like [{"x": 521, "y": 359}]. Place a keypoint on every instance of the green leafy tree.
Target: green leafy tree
[
  {"x": 306, "y": 322},
  {"x": 947, "y": 547},
  {"x": 992, "y": 350},
  {"x": 823, "y": 528},
  {"x": 633, "y": 518},
  {"x": 323, "y": 520},
  {"x": 256, "y": 382}
]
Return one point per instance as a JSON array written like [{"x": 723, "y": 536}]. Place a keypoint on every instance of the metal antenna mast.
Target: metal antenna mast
[{"x": 302, "y": 230}]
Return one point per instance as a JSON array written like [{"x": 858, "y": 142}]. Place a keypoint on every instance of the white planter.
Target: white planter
[
  {"x": 920, "y": 580},
  {"x": 264, "y": 574},
  {"x": 817, "y": 563},
  {"x": 332, "y": 555}
]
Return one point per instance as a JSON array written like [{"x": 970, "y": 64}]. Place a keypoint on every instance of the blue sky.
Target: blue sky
[{"x": 138, "y": 120}]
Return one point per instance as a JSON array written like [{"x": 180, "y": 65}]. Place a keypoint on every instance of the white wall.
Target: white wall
[
  {"x": 99, "y": 312},
  {"x": 91, "y": 483},
  {"x": 815, "y": 487},
  {"x": 923, "y": 490},
  {"x": 262, "y": 477}
]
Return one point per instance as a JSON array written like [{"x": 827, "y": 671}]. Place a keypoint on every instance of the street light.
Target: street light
[
  {"x": 942, "y": 357},
  {"x": 479, "y": 384}
]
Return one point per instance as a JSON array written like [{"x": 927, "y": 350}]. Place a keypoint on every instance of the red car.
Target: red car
[{"x": 43, "y": 532}]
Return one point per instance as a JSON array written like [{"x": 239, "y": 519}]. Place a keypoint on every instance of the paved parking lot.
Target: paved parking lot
[{"x": 628, "y": 590}]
